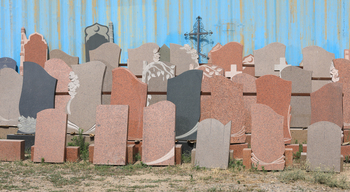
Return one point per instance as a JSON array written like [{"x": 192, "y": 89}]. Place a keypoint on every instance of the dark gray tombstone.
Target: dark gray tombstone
[
  {"x": 164, "y": 52},
  {"x": 95, "y": 35},
  {"x": 184, "y": 91},
  {"x": 6, "y": 62},
  {"x": 38, "y": 93}
]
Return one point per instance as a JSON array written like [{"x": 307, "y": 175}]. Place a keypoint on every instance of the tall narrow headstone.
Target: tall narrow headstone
[
  {"x": 69, "y": 60},
  {"x": 24, "y": 40},
  {"x": 164, "y": 52},
  {"x": 266, "y": 58},
  {"x": 38, "y": 93},
  {"x": 229, "y": 54},
  {"x": 267, "y": 140},
  {"x": 343, "y": 69},
  {"x": 159, "y": 127},
  {"x": 184, "y": 57},
  {"x": 7, "y": 62},
  {"x": 213, "y": 144},
  {"x": 35, "y": 50},
  {"x": 85, "y": 92},
  {"x": 111, "y": 135},
  {"x": 95, "y": 35},
  {"x": 184, "y": 91},
  {"x": 146, "y": 52},
  {"x": 128, "y": 90}
]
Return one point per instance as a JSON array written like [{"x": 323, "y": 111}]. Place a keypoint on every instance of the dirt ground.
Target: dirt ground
[{"x": 83, "y": 176}]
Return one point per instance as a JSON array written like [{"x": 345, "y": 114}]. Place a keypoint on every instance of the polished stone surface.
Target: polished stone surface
[
  {"x": 267, "y": 57},
  {"x": 146, "y": 52},
  {"x": 183, "y": 57},
  {"x": 317, "y": 60},
  {"x": 69, "y": 60},
  {"x": 35, "y": 49},
  {"x": 230, "y": 54}
]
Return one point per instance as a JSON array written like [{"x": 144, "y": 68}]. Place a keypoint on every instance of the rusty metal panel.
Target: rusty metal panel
[{"x": 254, "y": 23}]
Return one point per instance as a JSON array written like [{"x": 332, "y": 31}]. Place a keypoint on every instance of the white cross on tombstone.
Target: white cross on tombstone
[
  {"x": 233, "y": 71},
  {"x": 282, "y": 65}
]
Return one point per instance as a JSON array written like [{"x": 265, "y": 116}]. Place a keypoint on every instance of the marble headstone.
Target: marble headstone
[
  {"x": 38, "y": 93},
  {"x": 267, "y": 139},
  {"x": 276, "y": 93},
  {"x": 85, "y": 92},
  {"x": 147, "y": 52},
  {"x": 216, "y": 47},
  {"x": 213, "y": 144},
  {"x": 184, "y": 57},
  {"x": 164, "y": 52},
  {"x": 159, "y": 127},
  {"x": 95, "y": 35},
  {"x": 7, "y": 62},
  {"x": 267, "y": 57},
  {"x": 323, "y": 146},
  {"x": 111, "y": 135},
  {"x": 343, "y": 71},
  {"x": 229, "y": 54},
  {"x": 69, "y": 60},
  {"x": 35, "y": 50},
  {"x": 184, "y": 91},
  {"x": 11, "y": 87},
  {"x": 128, "y": 90}
]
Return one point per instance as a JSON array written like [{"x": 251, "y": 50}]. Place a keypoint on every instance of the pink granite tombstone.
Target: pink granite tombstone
[
  {"x": 231, "y": 53},
  {"x": 35, "y": 50},
  {"x": 50, "y": 136},
  {"x": 216, "y": 47},
  {"x": 326, "y": 104},
  {"x": 276, "y": 93},
  {"x": 267, "y": 140},
  {"x": 227, "y": 105},
  {"x": 158, "y": 146},
  {"x": 343, "y": 68},
  {"x": 128, "y": 90},
  {"x": 111, "y": 134}
]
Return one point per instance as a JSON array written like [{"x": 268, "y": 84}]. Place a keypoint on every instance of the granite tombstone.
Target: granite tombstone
[
  {"x": 266, "y": 58},
  {"x": 184, "y": 57},
  {"x": 231, "y": 53},
  {"x": 69, "y": 60},
  {"x": 35, "y": 49},
  {"x": 164, "y": 52},
  {"x": 146, "y": 52},
  {"x": 343, "y": 71},
  {"x": 95, "y": 35},
  {"x": 7, "y": 62},
  {"x": 216, "y": 47}
]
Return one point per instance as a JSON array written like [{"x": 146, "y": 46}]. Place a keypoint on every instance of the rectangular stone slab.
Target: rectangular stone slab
[
  {"x": 301, "y": 111},
  {"x": 11, "y": 150}
]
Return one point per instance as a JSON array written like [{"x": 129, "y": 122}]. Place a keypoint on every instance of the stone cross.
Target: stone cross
[
  {"x": 281, "y": 65},
  {"x": 233, "y": 71}
]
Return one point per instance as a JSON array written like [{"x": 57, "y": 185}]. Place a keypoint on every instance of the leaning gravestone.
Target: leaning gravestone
[
  {"x": 95, "y": 35},
  {"x": 301, "y": 105},
  {"x": 267, "y": 138},
  {"x": 343, "y": 68},
  {"x": 146, "y": 52},
  {"x": 229, "y": 54},
  {"x": 35, "y": 50},
  {"x": 7, "y": 62},
  {"x": 38, "y": 93},
  {"x": 276, "y": 93},
  {"x": 11, "y": 87},
  {"x": 213, "y": 144},
  {"x": 164, "y": 53},
  {"x": 159, "y": 127},
  {"x": 184, "y": 91},
  {"x": 184, "y": 57},
  {"x": 327, "y": 104},
  {"x": 85, "y": 92},
  {"x": 128, "y": 90},
  {"x": 323, "y": 146},
  {"x": 50, "y": 136},
  {"x": 111, "y": 135},
  {"x": 227, "y": 106},
  {"x": 267, "y": 57},
  {"x": 69, "y": 60}
]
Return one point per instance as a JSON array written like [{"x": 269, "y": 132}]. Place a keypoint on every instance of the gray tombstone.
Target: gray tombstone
[
  {"x": 95, "y": 35},
  {"x": 323, "y": 146},
  {"x": 184, "y": 91},
  {"x": 164, "y": 52},
  {"x": 317, "y": 60},
  {"x": 213, "y": 144},
  {"x": 38, "y": 93},
  {"x": 69, "y": 60},
  {"x": 146, "y": 52},
  {"x": 11, "y": 87},
  {"x": 7, "y": 62},
  {"x": 184, "y": 57},
  {"x": 85, "y": 91},
  {"x": 267, "y": 57}
]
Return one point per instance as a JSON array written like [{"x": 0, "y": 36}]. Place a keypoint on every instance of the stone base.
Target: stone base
[
  {"x": 346, "y": 135},
  {"x": 91, "y": 153},
  {"x": 247, "y": 155},
  {"x": 248, "y": 139},
  {"x": 11, "y": 150},
  {"x": 295, "y": 147},
  {"x": 345, "y": 151},
  {"x": 288, "y": 153},
  {"x": 299, "y": 135},
  {"x": 238, "y": 150},
  {"x": 193, "y": 156},
  {"x": 4, "y": 131},
  {"x": 137, "y": 148},
  {"x": 28, "y": 140},
  {"x": 130, "y": 153},
  {"x": 72, "y": 154},
  {"x": 186, "y": 146},
  {"x": 178, "y": 154}
]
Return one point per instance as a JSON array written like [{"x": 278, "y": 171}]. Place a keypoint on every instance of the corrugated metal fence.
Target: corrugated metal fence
[{"x": 254, "y": 23}]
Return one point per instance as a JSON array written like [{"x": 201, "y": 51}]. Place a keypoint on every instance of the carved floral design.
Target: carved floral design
[
  {"x": 72, "y": 88},
  {"x": 334, "y": 73}
]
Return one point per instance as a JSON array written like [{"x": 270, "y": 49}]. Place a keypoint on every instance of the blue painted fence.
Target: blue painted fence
[{"x": 254, "y": 23}]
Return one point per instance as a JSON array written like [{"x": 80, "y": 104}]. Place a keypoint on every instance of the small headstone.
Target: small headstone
[
  {"x": 164, "y": 52},
  {"x": 227, "y": 106},
  {"x": 317, "y": 60},
  {"x": 35, "y": 50},
  {"x": 111, "y": 135},
  {"x": 11, "y": 87},
  {"x": 183, "y": 57},
  {"x": 266, "y": 58},
  {"x": 233, "y": 72},
  {"x": 50, "y": 136},
  {"x": 323, "y": 146},
  {"x": 38, "y": 93},
  {"x": 229, "y": 54},
  {"x": 216, "y": 47},
  {"x": 343, "y": 68},
  {"x": 128, "y": 90},
  {"x": 276, "y": 93},
  {"x": 184, "y": 91},
  {"x": 158, "y": 144},
  {"x": 85, "y": 92},
  {"x": 95, "y": 35},
  {"x": 267, "y": 139},
  {"x": 69, "y": 60},
  {"x": 213, "y": 144},
  {"x": 7, "y": 62},
  {"x": 327, "y": 104},
  {"x": 147, "y": 52}
]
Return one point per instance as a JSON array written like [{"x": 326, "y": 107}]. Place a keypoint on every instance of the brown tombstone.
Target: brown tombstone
[
  {"x": 35, "y": 50},
  {"x": 229, "y": 54},
  {"x": 215, "y": 48}
]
